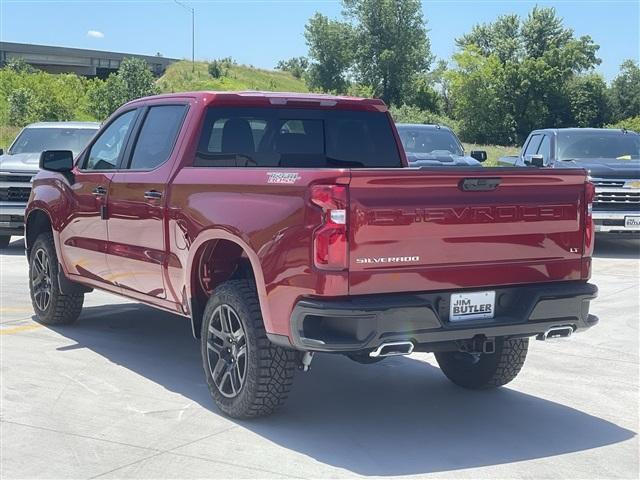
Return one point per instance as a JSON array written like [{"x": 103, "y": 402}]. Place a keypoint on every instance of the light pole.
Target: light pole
[{"x": 193, "y": 33}]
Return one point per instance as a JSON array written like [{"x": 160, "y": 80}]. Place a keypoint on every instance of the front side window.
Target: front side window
[
  {"x": 545, "y": 148},
  {"x": 281, "y": 137},
  {"x": 533, "y": 145},
  {"x": 106, "y": 150},
  {"x": 157, "y": 136}
]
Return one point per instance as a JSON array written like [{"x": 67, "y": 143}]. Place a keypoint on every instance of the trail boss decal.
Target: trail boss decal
[{"x": 283, "y": 177}]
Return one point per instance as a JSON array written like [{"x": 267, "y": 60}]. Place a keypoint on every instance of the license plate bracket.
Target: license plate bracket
[{"x": 472, "y": 306}]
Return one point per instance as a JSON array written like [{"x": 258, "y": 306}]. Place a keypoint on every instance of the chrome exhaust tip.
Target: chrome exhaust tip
[
  {"x": 556, "y": 332},
  {"x": 392, "y": 349}
]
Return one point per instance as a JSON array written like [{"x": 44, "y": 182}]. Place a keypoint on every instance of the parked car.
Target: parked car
[
  {"x": 612, "y": 158},
  {"x": 436, "y": 146},
  {"x": 286, "y": 224},
  {"x": 20, "y": 163}
]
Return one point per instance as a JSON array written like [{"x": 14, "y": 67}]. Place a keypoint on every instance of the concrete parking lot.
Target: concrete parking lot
[{"x": 122, "y": 395}]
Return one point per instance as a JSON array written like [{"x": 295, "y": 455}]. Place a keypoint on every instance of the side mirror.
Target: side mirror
[
  {"x": 534, "y": 161},
  {"x": 57, "y": 160},
  {"x": 479, "y": 155},
  {"x": 1, "y": 151}
]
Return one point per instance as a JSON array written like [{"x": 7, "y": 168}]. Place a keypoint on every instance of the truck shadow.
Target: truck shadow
[
  {"x": 15, "y": 247},
  {"x": 616, "y": 248},
  {"x": 398, "y": 417}
]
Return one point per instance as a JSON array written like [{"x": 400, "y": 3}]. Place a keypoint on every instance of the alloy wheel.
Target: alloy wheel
[
  {"x": 41, "y": 279},
  {"x": 227, "y": 351}
]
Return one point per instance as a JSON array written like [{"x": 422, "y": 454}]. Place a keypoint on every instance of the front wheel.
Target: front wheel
[
  {"x": 483, "y": 371},
  {"x": 4, "y": 241},
  {"x": 49, "y": 303},
  {"x": 247, "y": 375}
]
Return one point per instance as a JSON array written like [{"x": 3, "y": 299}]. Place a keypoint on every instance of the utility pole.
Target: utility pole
[{"x": 193, "y": 33}]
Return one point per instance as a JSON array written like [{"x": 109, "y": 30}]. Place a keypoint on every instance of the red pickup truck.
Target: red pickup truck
[{"x": 288, "y": 224}]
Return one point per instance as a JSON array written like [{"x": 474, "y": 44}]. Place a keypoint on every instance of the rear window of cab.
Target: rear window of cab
[{"x": 300, "y": 138}]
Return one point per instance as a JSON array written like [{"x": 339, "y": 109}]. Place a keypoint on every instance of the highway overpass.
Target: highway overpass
[{"x": 90, "y": 63}]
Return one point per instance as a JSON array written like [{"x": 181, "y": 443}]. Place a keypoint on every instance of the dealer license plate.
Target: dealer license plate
[
  {"x": 472, "y": 306},
  {"x": 632, "y": 222}
]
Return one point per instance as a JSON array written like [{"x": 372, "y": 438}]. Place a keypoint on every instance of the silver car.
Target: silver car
[{"x": 21, "y": 161}]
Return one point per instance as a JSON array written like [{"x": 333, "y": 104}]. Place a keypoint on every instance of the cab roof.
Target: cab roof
[{"x": 252, "y": 98}]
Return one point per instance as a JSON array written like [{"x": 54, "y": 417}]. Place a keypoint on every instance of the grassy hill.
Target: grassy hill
[{"x": 179, "y": 77}]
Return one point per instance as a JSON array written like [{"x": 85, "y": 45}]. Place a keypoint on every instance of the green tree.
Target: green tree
[
  {"x": 133, "y": 80},
  {"x": 500, "y": 38},
  {"x": 412, "y": 114},
  {"x": 536, "y": 64},
  {"x": 136, "y": 78},
  {"x": 391, "y": 46},
  {"x": 105, "y": 96},
  {"x": 20, "y": 105},
  {"x": 330, "y": 45},
  {"x": 482, "y": 103},
  {"x": 297, "y": 66},
  {"x": 624, "y": 94},
  {"x": 587, "y": 96},
  {"x": 20, "y": 65},
  {"x": 215, "y": 69}
]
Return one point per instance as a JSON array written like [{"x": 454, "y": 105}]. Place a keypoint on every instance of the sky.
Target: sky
[{"x": 261, "y": 32}]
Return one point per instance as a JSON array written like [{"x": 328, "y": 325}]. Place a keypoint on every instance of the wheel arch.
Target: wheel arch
[
  {"x": 38, "y": 221},
  {"x": 227, "y": 256}
]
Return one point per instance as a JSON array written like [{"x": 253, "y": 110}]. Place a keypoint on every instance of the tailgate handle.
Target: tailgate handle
[{"x": 479, "y": 184}]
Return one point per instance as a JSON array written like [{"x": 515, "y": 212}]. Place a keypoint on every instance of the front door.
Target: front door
[
  {"x": 84, "y": 233},
  {"x": 137, "y": 245}
]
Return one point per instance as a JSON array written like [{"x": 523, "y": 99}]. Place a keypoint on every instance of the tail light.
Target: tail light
[
  {"x": 589, "y": 230},
  {"x": 330, "y": 244}
]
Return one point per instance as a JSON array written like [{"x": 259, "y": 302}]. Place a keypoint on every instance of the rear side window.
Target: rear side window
[
  {"x": 281, "y": 137},
  {"x": 157, "y": 136}
]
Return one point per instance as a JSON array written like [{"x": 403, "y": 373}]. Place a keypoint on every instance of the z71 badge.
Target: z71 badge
[{"x": 283, "y": 177}]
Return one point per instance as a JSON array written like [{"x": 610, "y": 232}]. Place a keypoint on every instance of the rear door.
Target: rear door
[
  {"x": 419, "y": 230},
  {"x": 136, "y": 202}
]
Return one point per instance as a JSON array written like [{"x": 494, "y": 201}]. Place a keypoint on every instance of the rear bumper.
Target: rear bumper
[
  {"x": 614, "y": 222},
  {"x": 364, "y": 322}
]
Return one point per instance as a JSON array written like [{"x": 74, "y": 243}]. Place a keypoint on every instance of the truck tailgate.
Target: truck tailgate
[{"x": 419, "y": 230}]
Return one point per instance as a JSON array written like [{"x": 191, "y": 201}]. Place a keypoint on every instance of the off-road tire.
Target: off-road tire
[
  {"x": 4, "y": 241},
  {"x": 269, "y": 368},
  {"x": 62, "y": 309},
  {"x": 490, "y": 370}
]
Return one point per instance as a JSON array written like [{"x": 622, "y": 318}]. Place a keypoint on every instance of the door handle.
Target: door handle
[
  {"x": 99, "y": 191},
  {"x": 479, "y": 184},
  {"x": 153, "y": 195}
]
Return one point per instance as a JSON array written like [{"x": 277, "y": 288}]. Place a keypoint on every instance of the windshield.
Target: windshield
[
  {"x": 595, "y": 144},
  {"x": 36, "y": 140},
  {"x": 429, "y": 140}
]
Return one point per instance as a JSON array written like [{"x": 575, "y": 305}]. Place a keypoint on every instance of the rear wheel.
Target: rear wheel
[
  {"x": 49, "y": 303},
  {"x": 483, "y": 371},
  {"x": 4, "y": 241},
  {"x": 248, "y": 376}
]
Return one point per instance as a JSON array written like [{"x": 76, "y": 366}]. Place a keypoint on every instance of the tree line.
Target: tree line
[
  {"x": 506, "y": 78},
  {"x": 30, "y": 95}
]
